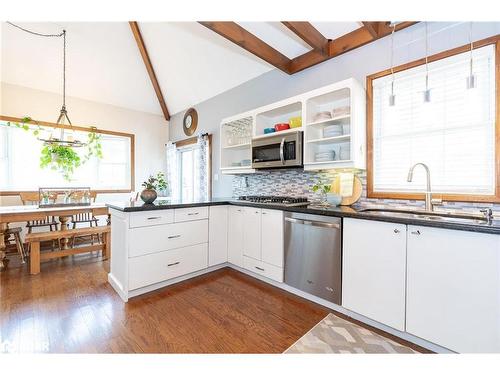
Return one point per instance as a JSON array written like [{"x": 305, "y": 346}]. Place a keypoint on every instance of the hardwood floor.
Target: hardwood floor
[{"x": 70, "y": 307}]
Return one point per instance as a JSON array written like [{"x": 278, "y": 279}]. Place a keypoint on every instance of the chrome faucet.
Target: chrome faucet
[{"x": 429, "y": 206}]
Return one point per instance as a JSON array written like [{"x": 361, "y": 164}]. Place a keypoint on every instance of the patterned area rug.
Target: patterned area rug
[{"x": 336, "y": 335}]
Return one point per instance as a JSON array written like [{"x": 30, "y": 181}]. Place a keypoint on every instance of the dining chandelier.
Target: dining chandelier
[{"x": 66, "y": 136}]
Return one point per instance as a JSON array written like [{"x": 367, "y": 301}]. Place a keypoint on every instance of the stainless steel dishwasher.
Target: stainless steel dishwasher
[{"x": 313, "y": 255}]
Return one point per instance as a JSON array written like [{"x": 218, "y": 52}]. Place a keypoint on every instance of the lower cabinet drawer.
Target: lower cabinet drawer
[
  {"x": 190, "y": 213},
  {"x": 148, "y": 240},
  {"x": 154, "y": 268},
  {"x": 149, "y": 218},
  {"x": 264, "y": 269}
]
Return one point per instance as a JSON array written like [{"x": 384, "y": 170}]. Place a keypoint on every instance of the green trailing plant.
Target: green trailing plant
[
  {"x": 321, "y": 187},
  {"x": 63, "y": 159},
  {"x": 162, "y": 182},
  {"x": 94, "y": 147},
  {"x": 156, "y": 183}
]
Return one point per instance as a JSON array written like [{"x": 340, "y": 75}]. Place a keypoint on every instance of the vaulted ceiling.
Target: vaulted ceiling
[{"x": 191, "y": 63}]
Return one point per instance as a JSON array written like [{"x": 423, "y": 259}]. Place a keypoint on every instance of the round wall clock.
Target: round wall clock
[{"x": 190, "y": 122}]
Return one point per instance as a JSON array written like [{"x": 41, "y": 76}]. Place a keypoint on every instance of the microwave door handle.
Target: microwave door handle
[{"x": 282, "y": 151}]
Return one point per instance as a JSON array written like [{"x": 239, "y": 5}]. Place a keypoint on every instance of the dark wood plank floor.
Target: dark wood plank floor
[{"x": 70, "y": 307}]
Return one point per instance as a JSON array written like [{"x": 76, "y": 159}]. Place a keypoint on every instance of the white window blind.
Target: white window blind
[{"x": 454, "y": 133}]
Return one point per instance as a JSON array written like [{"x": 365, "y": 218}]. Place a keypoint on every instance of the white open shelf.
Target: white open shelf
[
  {"x": 340, "y": 120},
  {"x": 242, "y": 145},
  {"x": 338, "y": 139},
  {"x": 292, "y": 130},
  {"x": 277, "y": 113}
]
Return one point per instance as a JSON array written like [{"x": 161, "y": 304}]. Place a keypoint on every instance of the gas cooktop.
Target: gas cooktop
[{"x": 275, "y": 200}]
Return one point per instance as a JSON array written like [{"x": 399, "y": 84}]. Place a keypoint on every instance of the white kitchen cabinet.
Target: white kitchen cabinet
[
  {"x": 272, "y": 237},
  {"x": 217, "y": 235},
  {"x": 374, "y": 270},
  {"x": 453, "y": 288},
  {"x": 252, "y": 232},
  {"x": 235, "y": 236}
]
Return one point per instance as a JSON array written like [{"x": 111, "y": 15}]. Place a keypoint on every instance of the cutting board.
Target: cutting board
[{"x": 357, "y": 190}]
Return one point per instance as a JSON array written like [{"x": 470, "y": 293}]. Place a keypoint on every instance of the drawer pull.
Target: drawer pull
[
  {"x": 154, "y": 218},
  {"x": 417, "y": 233},
  {"x": 193, "y": 213},
  {"x": 172, "y": 264},
  {"x": 396, "y": 230},
  {"x": 176, "y": 236},
  {"x": 260, "y": 269}
]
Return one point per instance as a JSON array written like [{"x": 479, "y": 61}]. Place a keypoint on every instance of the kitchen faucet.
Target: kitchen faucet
[{"x": 429, "y": 206}]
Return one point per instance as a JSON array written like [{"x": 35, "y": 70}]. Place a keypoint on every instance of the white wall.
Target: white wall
[
  {"x": 150, "y": 130},
  {"x": 276, "y": 85}
]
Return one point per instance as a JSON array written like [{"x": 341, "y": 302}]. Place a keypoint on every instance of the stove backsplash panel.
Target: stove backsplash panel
[{"x": 298, "y": 183}]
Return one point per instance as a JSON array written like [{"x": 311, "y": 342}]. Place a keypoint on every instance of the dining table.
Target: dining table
[{"x": 16, "y": 214}]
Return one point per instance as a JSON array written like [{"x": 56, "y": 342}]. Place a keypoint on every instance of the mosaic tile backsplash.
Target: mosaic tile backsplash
[{"x": 297, "y": 182}]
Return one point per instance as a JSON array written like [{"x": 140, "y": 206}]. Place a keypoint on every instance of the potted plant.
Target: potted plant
[
  {"x": 152, "y": 185},
  {"x": 327, "y": 198}
]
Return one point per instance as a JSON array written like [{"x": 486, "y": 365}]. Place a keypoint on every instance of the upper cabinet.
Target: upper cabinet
[
  {"x": 334, "y": 131},
  {"x": 332, "y": 118},
  {"x": 235, "y": 146}
]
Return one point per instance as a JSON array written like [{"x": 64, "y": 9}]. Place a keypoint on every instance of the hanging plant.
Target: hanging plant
[
  {"x": 94, "y": 147},
  {"x": 61, "y": 158}
]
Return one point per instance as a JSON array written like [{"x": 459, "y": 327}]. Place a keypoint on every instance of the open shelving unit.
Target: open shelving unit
[
  {"x": 343, "y": 133},
  {"x": 236, "y": 144}
]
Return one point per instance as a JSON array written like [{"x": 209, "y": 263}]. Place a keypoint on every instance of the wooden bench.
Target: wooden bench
[{"x": 35, "y": 238}]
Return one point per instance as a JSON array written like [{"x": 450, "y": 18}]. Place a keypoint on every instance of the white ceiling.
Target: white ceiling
[{"x": 191, "y": 62}]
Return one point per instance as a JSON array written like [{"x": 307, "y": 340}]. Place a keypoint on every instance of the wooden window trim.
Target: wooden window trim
[
  {"x": 495, "y": 40},
  {"x": 192, "y": 141},
  {"x": 86, "y": 129}
]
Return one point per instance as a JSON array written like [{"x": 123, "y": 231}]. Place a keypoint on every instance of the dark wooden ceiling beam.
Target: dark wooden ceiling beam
[
  {"x": 309, "y": 34},
  {"x": 149, "y": 67},
  {"x": 372, "y": 28},
  {"x": 345, "y": 43},
  {"x": 246, "y": 40}
]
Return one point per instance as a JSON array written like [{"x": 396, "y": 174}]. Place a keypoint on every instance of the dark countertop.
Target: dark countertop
[{"x": 355, "y": 211}]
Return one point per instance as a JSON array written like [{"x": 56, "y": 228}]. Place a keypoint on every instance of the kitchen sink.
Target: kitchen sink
[{"x": 426, "y": 215}]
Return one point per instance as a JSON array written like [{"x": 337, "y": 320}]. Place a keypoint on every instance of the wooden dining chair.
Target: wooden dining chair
[
  {"x": 29, "y": 198},
  {"x": 12, "y": 239},
  {"x": 86, "y": 218}
]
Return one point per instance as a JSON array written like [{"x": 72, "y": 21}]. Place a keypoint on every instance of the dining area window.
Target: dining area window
[{"x": 21, "y": 166}]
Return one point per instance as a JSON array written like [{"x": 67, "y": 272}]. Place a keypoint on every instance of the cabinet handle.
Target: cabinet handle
[
  {"x": 172, "y": 264},
  {"x": 260, "y": 269},
  {"x": 176, "y": 236},
  {"x": 154, "y": 218},
  {"x": 396, "y": 231},
  {"x": 417, "y": 233},
  {"x": 193, "y": 213},
  {"x": 264, "y": 213}
]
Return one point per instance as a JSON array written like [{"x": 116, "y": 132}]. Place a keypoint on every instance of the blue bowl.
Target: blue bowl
[{"x": 269, "y": 130}]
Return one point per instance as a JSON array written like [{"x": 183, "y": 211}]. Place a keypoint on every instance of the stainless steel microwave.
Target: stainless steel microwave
[{"x": 278, "y": 151}]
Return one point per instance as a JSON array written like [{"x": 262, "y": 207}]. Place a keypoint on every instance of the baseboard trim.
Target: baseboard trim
[{"x": 404, "y": 338}]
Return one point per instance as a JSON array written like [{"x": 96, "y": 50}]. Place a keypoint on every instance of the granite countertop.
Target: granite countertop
[{"x": 355, "y": 211}]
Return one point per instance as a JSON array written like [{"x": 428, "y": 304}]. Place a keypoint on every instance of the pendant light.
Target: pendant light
[
  {"x": 471, "y": 79},
  {"x": 392, "y": 97},
  {"x": 427, "y": 92},
  {"x": 66, "y": 132}
]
